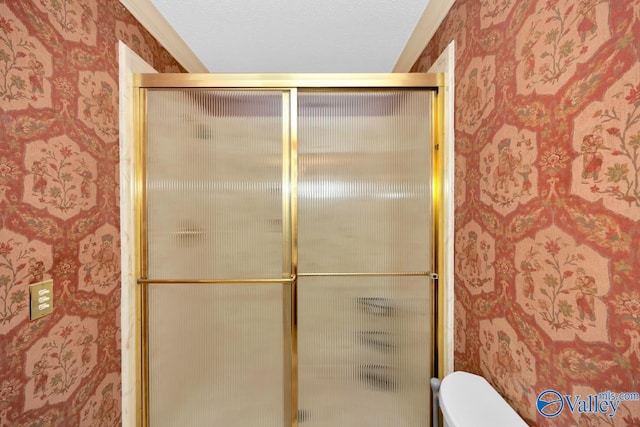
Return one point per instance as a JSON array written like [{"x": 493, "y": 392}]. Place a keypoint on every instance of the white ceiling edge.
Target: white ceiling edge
[
  {"x": 429, "y": 22},
  {"x": 148, "y": 15},
  {"x": 157, "y": 25}
]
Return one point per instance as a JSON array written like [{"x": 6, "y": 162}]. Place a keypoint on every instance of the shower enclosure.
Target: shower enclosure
[{"x": 287, "y": 249}]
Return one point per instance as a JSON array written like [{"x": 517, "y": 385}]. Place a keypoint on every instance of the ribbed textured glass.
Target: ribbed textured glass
[
  {"x": 364, "y": 351},
  {"x": 219, "y": 353},
  {"x": 214, "y": 184},
  {"x": 365, "y": 181},
  {"x": 216, "y": 355}
]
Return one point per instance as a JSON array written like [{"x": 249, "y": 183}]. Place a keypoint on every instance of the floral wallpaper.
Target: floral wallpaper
[
  {"x": 547, "y": 195},
  {"x": 59, "y": 207}
]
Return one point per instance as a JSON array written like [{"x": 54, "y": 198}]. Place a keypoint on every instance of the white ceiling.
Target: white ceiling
[{"x": 295, "y": 36}]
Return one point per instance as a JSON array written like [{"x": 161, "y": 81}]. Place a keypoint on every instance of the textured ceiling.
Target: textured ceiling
[{"x": 295, "y": 36}]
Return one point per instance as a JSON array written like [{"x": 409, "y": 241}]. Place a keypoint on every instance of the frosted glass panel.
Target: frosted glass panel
[
  {"x": 214, "y": 182},
  {"x": 364, "y": 351},
  {"x": 364, "y": 187},
  {"x": 216, "y": 355},
  {"x": 219, "y": 354}
]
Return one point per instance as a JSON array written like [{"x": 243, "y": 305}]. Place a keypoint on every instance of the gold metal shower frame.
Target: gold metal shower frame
[{"x": 289, "y": 85}]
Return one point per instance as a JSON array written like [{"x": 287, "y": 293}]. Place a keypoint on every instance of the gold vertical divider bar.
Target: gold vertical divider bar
[
  {"x": 439, "y": 281},
  {"x": 286, "y": 188},
  {"x": 141, "y": 186},
  {"x": 144, "y": 253},
  {"x": 286, "y": 258},
  {"x": 143, "y": 291},
  {"x": 142, "y": 383},
  {"x": 435, "y": 291},
  {"x": 293, "y": 109}
]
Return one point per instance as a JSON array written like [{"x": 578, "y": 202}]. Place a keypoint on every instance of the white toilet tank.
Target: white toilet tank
[{"x": 468, "y": 400}]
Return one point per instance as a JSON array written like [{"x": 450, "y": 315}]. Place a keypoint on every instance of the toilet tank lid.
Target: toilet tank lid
[{"x": 468, "y": 400}]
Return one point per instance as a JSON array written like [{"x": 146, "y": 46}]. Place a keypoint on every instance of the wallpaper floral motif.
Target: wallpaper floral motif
[
  {"x": 59, "y": 208},
  {"x": 547, "y": 249}
]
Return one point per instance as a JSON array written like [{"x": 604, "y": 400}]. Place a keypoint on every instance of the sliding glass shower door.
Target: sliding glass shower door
[
  {"x": 217, "y": 347},
  {"x": 286, "y": 253},
  {"x": 364, "y": 295}
]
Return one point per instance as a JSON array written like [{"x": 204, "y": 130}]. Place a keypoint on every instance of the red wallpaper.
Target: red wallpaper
[
  {"x": 547, "y": 194},
  {"x": 59, "y": 207}
]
